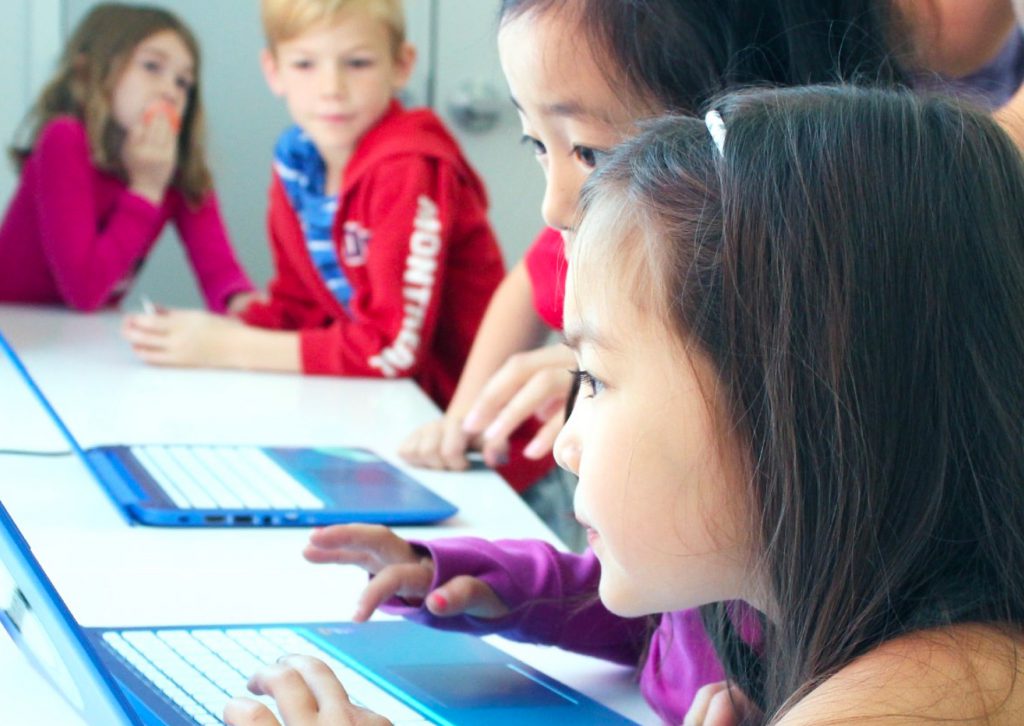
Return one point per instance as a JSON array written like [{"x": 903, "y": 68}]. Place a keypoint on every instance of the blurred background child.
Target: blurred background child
[
  {"x": 114, "y": 151},
  {"x": 384, "y": 256}
]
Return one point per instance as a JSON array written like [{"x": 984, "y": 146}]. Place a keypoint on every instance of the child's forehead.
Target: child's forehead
[{"x": 356, "y": 26}]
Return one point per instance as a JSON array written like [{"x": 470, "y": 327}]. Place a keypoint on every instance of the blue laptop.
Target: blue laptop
[
  {"x": 185, "y": 675},
  {"x": 192, "y": 485}
]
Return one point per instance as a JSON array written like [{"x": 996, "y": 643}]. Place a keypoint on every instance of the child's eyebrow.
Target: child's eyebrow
[
  {"x": 568, "y": 109},
  {"x": 580, "y": 332}
]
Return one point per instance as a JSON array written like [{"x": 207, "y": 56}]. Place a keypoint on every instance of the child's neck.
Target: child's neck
[{"x": 334, "y": 163}]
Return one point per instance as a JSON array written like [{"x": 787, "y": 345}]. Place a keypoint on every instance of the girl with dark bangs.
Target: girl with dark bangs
[{"x": 799, "y": 332}]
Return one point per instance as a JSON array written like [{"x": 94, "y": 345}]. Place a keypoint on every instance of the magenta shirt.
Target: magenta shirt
[
  {"x": 553, "y": 598},
  {"x": 76, "y": 236}
]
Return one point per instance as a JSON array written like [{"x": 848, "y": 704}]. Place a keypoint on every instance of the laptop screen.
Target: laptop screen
[{"x": 40, "y": 623}]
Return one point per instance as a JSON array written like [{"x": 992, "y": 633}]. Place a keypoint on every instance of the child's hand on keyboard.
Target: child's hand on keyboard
[
  {"x": 399, "y": 570},
  {"x": 306, "y": 692}
]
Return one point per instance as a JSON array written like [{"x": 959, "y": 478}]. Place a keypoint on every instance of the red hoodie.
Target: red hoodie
[{"x": 414, "y": 242}]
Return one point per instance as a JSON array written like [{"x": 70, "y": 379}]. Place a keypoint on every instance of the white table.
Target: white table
[{"x": 110, "y": 573}]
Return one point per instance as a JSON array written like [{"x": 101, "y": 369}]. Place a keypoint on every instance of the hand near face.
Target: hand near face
[
  {"x": 534, "y": 383},
  {"x": 719, "y": 704},
  {"x": 306, "y": 692},
  {"x": 440, "y": 444},
  {"x": 150, "y": 153},
  {"x": 399, "y": 570},
  {"x": 181, "y": 337}
]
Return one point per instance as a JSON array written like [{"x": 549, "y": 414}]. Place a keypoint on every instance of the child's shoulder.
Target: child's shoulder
[
  {"x": 64, "y": 130},
  {"x": 64, "y": 125},
  {"x": 965, "y": 674},
  {"x": 415, "y": 132}
]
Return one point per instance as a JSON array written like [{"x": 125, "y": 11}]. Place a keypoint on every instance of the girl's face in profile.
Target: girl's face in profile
[
  {"x": 158, "y": 77},
  {"x": 660, "y": 484},
  {"x": 570, "y": 115}
]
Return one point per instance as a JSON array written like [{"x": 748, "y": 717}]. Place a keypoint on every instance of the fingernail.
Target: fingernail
[
  {"x": 439, "y": 601},
  {"x": 492, "y": 429}
]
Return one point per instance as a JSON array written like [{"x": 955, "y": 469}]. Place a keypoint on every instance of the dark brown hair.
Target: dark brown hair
[
  {"x": 88, "y": 71},
  {"x": 853, "y": 265},
  {"x": 677, "y": 54}
]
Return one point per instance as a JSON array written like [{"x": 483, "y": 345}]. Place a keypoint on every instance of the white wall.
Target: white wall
[{"x": 244, "y": 118}]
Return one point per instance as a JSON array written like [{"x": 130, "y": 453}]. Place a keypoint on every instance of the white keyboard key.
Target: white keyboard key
[
  {"x": 361, "y": 690},
  {"x": 165, "y": 482},
  {"x": 241, "y": 463},
  {"x": 181, "y": 477},
  {"x": 262, "y": 465},
  {"x": 158, "y": 679},
  {"x": 205, "y": 477},
  {"x": 247, "y": 491}
]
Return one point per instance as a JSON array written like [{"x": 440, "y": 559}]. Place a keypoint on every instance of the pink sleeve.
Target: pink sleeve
[
  {"x": 88, "y": 257},
  {"x": 213, "y": 260},
  {"x": 552, "y": 597}
]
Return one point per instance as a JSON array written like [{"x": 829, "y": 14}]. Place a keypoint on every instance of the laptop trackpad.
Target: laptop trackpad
[{"x": 475, "y": 685}]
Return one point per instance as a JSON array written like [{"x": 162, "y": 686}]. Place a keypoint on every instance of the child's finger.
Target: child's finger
[
  {"x": 453, "y": 445},
  {"x": 328, "y": 691},
  {"x": 544, "y": 440},
  {"x": 374, "y": 539},
  {"x": 465, "y": 595},
  {"x": 698, "y": 711},
  {"x": 244, "y": 711},
  {"x": 424, "y": 450},
  {"x": 288, "y": 688},
  {"x": 407, "y": 581}
]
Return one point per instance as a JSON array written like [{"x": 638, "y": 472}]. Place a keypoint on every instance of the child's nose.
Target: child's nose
[
  {"x": 334, "y": 83},
  {"x": 567, "y": 449},
  {"x": 561, "y": 196}
]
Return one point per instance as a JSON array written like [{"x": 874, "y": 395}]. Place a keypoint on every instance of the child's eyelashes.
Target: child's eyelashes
[
  {"x": 360, "y": 63},
  {"x": 538, "y": 148},
  {"x": 588, "y": 156},
  {"x": 587, "y": 382}
]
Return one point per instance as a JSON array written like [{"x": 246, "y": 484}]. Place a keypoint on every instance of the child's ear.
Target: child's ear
[
  {"x": 268, "y": 63},
  {"x": 405, "y": 61}
]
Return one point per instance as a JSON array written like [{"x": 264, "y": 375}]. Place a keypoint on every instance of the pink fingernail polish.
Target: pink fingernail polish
[{"x": 440, "y": 603}]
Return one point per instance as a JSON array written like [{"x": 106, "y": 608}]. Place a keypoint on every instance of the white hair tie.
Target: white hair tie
[{"x": 716, "y": 127}]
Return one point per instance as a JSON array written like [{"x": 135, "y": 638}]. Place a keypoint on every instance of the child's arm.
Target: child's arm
[
  {"x": 524, "y": 589},
  {"x": 88, "y": 259},
  {"x": 216, "y": 267},
  {"x": 415, "y": 213},
  {"x": 510, "y": 325}
]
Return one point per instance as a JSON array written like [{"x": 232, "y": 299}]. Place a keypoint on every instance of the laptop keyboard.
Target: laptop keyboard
[
  {"x": 224, "y": 477},
  {"x": 200, "y": 670}
]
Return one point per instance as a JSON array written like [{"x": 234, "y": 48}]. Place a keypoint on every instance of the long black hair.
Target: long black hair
[
  {"x": 853, "y": 265},
  {"x": 680, "y": 53}
]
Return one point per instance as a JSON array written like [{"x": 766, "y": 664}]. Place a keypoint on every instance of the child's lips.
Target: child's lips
[{"x": 337, "y": 118}]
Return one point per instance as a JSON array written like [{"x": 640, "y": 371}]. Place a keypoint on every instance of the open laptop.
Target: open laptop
[
  {"x": 185, "y": 675},
  {"x": 191, "y": 485}
]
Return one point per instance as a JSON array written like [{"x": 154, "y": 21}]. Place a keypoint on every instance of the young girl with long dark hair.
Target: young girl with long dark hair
[{"x": 799, "y": 329}]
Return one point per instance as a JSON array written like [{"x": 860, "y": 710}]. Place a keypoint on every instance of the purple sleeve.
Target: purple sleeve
[
  {"x": 552, "y": 596},
  {"x": 88, "y": 258},
  {"x": 206, "y": 241}
]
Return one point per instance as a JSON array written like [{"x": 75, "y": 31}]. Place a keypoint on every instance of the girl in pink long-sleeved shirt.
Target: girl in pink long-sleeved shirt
[{"x": 115, "y": 151}]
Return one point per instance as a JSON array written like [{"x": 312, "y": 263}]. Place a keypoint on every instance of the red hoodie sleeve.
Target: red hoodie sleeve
[
  {"x": 407, "y": 211},
  {"x": 214, "y": 262},
  {"x": 290, "y": 304},
  {"x": 88, "y": 256}
]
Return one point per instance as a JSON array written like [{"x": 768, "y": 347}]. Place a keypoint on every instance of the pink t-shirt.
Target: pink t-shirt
[{"x": 76, "y": 236}]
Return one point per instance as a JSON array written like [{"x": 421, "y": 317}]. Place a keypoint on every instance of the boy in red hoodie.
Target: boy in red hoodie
[{"x": 384, "y": 256}]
